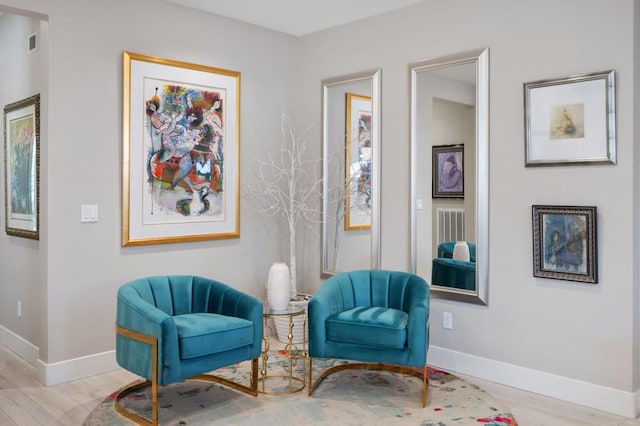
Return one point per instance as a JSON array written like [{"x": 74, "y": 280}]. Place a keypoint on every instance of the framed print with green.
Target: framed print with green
[{"x": 22, "y": 167}]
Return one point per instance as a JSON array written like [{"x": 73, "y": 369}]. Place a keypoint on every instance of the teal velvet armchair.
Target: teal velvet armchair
[
  {"x": 176, "y": 327},
  {"x": 377, "y": 317},
  {"x": 448, "y": 272}
]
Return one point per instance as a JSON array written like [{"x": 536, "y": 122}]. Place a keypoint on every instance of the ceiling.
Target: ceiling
[{"x": 297, "y": 17}]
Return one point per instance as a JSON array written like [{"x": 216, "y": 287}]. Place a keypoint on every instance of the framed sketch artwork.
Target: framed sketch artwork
[
  {"x": 571, "y": 120},
  {"x": 448, "y": 171},
  {"x": 180, "y": 178},
  {"x": 564, "y": 243},
  {"x": 22, "y": 168}
]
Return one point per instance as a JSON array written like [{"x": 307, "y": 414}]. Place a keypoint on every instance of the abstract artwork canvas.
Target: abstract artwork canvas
[{"x": 181, "y": 159}]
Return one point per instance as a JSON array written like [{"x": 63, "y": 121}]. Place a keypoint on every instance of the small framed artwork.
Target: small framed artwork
[
  {"x": 180, "y": 168},
  {"x": 358, "y": 151},
  {"x": 564, "y": 243},
  {"x": 571, "y": 120},
  {"x": 448, "y": 171},
  {"x": 22, "y": 168}
]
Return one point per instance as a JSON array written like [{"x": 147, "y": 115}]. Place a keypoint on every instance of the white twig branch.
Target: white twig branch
[{"x": 285, "y": 187}]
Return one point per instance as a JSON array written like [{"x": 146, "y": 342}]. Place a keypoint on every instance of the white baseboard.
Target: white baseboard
[
  {"x": 564, "y": 388},
  {"x": 19, "y": 346},
  {"x": 58, "y": 372},
  {"x": 575, "y": 391},
  {"x": 77, "y": 368}
]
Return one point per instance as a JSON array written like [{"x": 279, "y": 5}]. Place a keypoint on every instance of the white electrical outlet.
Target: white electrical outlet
[
  {"x": 447, "y": 320},
  {"x": 19, "y": 309}
]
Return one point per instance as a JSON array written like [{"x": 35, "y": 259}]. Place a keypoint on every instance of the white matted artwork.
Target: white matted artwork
[
  {"x": 180, "y": 151},
  {"x": 570, "y": 120}
]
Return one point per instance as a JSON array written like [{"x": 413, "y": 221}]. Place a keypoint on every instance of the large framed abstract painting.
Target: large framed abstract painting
[
  {"x": 358, "y": 162},
  {"x": 22, "y": 168},
  {"x": 448, "y": 171},
  {"x": 180, "y": 174},
  {"x": 571, "y": 120},
  {"x": 564, "y": 243}
]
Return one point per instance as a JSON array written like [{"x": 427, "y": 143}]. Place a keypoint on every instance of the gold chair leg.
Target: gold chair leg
[
  {"x": 120, "y": 408},
  {"x": 252, "y": 389},
  {"x": 425, "y": 386},
  {"x": 310, "y": 379},
  {"x": 153, "y": 342},
  {"x": 421, "y": 374}
]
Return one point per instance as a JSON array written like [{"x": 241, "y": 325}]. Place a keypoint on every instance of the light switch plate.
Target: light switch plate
[{"x": 88, "y": 213}]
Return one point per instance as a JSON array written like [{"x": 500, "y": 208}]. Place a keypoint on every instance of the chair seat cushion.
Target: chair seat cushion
[
  {"x": 203, "y": 334},
  {"x": 369, "y": 326}
]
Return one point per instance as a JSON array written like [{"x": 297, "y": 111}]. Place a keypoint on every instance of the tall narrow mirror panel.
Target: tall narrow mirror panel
[
  {"x": 351, "y": 147},
  {"x": 449, "y": 174}
]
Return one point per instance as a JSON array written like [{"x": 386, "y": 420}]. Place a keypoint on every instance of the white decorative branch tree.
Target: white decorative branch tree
[{"x": 287, "y": 186}]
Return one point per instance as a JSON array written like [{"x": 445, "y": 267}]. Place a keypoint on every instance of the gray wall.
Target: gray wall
[
  {"x": 69, "y": 300},
  {"x": 534, "y": 334},
  {"x": 23, "y": 261}
]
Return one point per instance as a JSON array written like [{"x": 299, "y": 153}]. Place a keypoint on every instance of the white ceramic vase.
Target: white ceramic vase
[
  {"x": 278, "y": 290},
  {"x": 461, "y": 251}
]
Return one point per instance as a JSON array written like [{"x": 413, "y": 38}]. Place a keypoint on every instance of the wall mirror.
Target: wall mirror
[
  {"x": 351, "y": 172},
  {"x": 450, "y": 174}
]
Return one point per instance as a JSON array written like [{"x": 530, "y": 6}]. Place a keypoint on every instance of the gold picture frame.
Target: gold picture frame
[
  {"x": 180, "y": 151},
  {"x": 358, "y": 155},
  {"x": 22, "y": 168}
]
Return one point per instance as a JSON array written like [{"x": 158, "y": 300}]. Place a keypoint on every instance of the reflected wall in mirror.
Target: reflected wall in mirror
[
  {"x": 450, "y": 174},
  {"x": 351, "y": 172}
]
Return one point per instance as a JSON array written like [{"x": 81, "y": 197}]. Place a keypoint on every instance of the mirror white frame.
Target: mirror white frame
[
  {"x": 480, "y": 58},
  {"x": 374, "y": 77}
]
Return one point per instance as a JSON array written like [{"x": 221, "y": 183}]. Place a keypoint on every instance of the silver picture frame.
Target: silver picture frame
[
  {"x": 565, "y": 243},
  {"x": 571, "y": 120}
]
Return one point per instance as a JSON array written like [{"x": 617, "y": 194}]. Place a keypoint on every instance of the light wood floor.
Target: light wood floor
[{"x": 25, "y": 402}]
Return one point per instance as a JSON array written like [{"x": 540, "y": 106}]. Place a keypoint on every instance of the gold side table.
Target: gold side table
[{"x": 288, "y": 383}]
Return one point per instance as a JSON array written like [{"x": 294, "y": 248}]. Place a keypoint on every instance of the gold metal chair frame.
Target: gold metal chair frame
[
  {"x": 375, "y": 367},
  {"x": 252, "y": 389}
]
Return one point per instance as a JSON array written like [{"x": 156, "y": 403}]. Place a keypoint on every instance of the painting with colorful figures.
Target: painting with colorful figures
[{"x": 182, "y": 147}]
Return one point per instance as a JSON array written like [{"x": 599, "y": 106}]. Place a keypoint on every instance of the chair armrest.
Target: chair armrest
[
  {"x": 135, "y": 314},
  {"x": 417, "y": 296},
  {"x": 317, "y": 314},
  {"x": 326, "y": 301}
]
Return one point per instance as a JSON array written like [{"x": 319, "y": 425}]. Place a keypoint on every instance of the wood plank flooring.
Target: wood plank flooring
[{"x": 25, "y": 402}]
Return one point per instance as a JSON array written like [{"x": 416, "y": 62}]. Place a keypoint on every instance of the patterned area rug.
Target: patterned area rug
[{"x": 350, "y": 397}]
